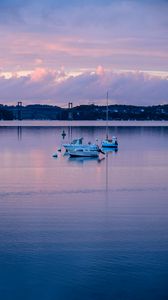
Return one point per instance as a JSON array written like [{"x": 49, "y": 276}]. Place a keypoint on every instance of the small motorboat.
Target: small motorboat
[
  {"x": 110, "y": 143},
  {"x": 78, "y": 144}
]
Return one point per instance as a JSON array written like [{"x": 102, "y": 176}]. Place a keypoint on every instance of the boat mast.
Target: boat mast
[{"x": 107, "y": 117}]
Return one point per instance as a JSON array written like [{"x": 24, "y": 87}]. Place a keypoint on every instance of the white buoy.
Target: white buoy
[
  {"x": 59, "y": 149},
  {"x": 55, "y": 154}
]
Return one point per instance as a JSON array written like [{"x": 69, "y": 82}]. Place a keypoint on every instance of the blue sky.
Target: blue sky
[{"x": 52, "y": 51}]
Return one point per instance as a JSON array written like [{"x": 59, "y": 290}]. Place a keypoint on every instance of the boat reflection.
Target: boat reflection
[
  {"x": 82, "y": 160},
  {"x": 108, "y": 150}
]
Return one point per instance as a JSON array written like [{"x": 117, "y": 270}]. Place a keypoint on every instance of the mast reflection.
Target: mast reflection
[{"x": 19, "y": 133}]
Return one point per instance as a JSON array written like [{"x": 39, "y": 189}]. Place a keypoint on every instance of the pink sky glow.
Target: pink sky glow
[{"x": 52, "y": 52}]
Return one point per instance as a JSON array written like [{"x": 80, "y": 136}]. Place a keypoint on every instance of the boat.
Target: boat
[
  {"x": 109, "y": 143},
  {"x": 78, "y": 144},
  {"x": 85, "y": 152}
]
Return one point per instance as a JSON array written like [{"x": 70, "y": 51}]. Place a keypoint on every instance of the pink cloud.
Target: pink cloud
[
  {"x": 38, "y": 74},
  {"x": 100, "y": 70}
]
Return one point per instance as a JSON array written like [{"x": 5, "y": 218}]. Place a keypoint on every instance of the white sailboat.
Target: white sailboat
[{"x": 109, "y": 143}]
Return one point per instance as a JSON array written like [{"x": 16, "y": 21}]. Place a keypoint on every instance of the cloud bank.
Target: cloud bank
[{"x": 59, "y": 87}]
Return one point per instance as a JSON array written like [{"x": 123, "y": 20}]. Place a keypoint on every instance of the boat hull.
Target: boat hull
[
  {"x": 110, "y": 143},
  {"x": 110, "y": 146},
  {"x": 83, "y": 153}
]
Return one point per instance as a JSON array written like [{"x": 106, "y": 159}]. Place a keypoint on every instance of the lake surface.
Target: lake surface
[{"x": 83, "y": 229}]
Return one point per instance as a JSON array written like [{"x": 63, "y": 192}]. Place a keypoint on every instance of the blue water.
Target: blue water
[{"x": 83, "y": 228}]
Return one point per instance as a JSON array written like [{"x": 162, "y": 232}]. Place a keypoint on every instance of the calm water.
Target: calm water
[{"x": 83, "y": 229}]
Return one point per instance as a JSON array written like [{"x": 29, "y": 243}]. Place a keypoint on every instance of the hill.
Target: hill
[{"x": 84, "y": 112}]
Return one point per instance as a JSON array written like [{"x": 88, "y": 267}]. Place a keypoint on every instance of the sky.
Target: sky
[{"x": 53, "y": 52}]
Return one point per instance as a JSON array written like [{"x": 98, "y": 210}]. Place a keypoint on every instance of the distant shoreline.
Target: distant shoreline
[
  {"x": 61, "y": 123},
  {"x": 84, "y": 113}
]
